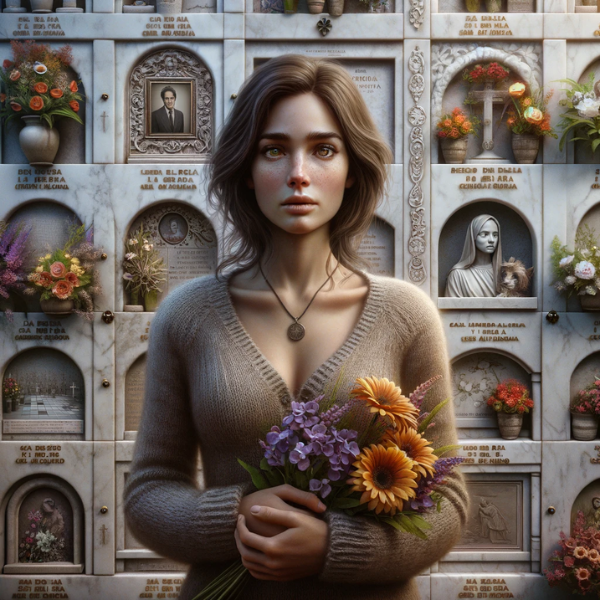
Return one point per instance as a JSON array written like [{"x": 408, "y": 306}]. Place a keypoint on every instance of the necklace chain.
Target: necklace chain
[{"x": 296, "y": 330}]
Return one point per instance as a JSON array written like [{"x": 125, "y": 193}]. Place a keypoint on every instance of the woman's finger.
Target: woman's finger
[
  {"x": 252, "y": 540},
  {"x": 285, "y": 518},
  {"x": 308, "y": 499}
]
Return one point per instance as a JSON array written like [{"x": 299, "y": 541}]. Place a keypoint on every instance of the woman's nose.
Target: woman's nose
[{"x": 298, "y": 176}]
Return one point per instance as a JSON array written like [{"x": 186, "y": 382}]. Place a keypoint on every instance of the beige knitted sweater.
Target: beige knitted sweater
[{"x": 209, "y": 386}]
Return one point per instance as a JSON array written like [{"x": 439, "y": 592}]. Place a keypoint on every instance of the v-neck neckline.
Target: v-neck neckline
[{"x": 312, "y": 386}]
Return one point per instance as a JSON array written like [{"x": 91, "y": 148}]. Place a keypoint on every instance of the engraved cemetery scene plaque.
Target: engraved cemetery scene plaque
[
  {"x": 378, "y": 248},
  {"x": 50, "y": 402}
]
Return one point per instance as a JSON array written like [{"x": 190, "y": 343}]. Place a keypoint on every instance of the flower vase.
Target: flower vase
[
  {"x": 14, "y": 6},
  {"x": 473, "y": 5},
  {"x": 525, "y": 147},
  {"x": 151, "y": 301},
  {"x": 54, "y": 307},
  {"x": 510, "y": 425},
  {"x": 584, "y": 426},
  {"x": 493, "y": 5},
  {"x": 41, "y": 6},
  {"x": 590, "y": 303},
  {"x": 315, "y": 7},
  {"x": 38, "y": 141},
  {"x": 336, "y": 7},
  {"x": 290, "y": 7},
  {"x": 454, "y": 151},
  {"x": 521, "y": 6},
  {"x": 169, "y": 7}
]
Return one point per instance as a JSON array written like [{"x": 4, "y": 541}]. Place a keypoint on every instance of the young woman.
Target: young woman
[{"x": 299, "y": 170}]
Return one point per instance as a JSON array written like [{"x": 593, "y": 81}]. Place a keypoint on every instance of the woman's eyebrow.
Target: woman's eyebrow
[{"x": 313, "y": 135}]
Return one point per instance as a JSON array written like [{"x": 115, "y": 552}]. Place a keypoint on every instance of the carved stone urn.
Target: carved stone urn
[
  {"x": 315, "y": 7},
  {"x": 584, "y": 426},
  {"x": 454, "y": 151},
  {"x": 55, "y": 307},
  {"x": 336, "y": 7},
  {"x": 525, "y": 147},
  {"x": 510, "y": 425},
  {"x": 38, "y": 141}
]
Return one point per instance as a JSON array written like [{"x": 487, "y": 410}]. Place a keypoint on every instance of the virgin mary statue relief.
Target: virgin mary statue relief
[{"x": 477, "y": 273}]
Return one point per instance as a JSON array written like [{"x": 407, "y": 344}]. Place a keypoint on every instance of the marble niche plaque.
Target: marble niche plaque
[
  {"x": 44, "y": 528},
  {"x": 52, "y": 397},
  {"x": 495, "y": 520},
  {"x": 189, "y": 138},
  {"x": 378, "y": 248},
  {"x": 49, "y": 229},
  {"x": 184, "y": 238}
]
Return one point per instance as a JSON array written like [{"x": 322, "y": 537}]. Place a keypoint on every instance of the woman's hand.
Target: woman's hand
[
  {"x": 276, "y": 498},
  {"x": 299, "y": 551}
]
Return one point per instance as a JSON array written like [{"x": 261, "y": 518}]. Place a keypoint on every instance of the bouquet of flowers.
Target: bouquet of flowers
[
  {"x": 368, "y": 457},
  {"x": 456, "y": 125},
  {"x": 587, "y": 400},
  {"x": 39, "y": 544},
  {"x": 529, "y": 113},
  {"x": 69, "y": 273},
  {"x": 144, "y": 268},
  {"x": 510, "y": 396},
  {"x": 35, "y": 83},
  {"x": 12, "y": 255},
  {"x": 582, "y": 114},
  {"x": 486, "y": 72},
  {"x": 576, "y": 270},
  {"x": 11, "y": 390},
  {"x": 576, "y": 565}
]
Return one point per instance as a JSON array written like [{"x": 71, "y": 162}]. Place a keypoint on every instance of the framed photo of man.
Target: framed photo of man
[{"x": 170, "y": 107}]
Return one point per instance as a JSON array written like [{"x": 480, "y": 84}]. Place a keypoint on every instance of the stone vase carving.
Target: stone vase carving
[
  {"x": 336, "y": 7},
  {"x": 525, "y": 147},
  {"x": 493, "y": 5},
  {"x": 473, "y": 5},
  {"x": 315, "y": 7},
  {"x": 584, "y": 426},
  {"x": 169, "y": 7},
  {"x": 151, "y": 301},
  {"x": 510, "y": 425},
  {"x": 454, "y": 151},
  {"x": 57, "y": 308},
  {"x": 590, "y": 303},
  {"x": 38, "y": 141}
]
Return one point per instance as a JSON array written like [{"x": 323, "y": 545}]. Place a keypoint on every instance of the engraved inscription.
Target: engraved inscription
[
  {"x": 487, "y": 178},
  {"x": 487, "y": 25}
]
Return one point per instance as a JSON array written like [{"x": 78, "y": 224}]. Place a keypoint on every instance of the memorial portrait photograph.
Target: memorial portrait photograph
[
  {"x": 173, "y": 228},
  {"x": 170, "y": 110}
]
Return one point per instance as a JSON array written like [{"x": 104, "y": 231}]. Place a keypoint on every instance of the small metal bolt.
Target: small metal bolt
[
  {"x": 105, "y": 383},
  {"x": 104, "y": 96},
  {"x": 233, "y": 96},
  {"x": 551, "y": 510},
  {"x": 108, "y": 317},
  {"x": 104, "y": 510},
  {"x": 552, "y": 317},
  {"x": 103, "y": 256}
]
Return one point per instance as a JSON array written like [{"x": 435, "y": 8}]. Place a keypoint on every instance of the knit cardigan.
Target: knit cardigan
[{"x": 209, "y": 388}]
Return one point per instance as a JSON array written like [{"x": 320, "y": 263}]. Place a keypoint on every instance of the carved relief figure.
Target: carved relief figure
[
  {"x": 167, "y": 119},
  {"x": 493, "y": 524},
  {"x": 477, "y": 273}
]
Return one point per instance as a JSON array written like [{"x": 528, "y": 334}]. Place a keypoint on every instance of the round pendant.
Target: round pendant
[{"x": 296, "y": 332}]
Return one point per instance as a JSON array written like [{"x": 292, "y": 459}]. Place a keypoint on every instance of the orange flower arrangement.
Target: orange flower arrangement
[
  {"x": 511, "y": 396},
  {"x": 416, "y": 447},
  {"x": 529, "y": 114},
  {"x": 456, "y": 125},
  {"x": 40, "y": 87},
  {"x": 56, "y": 93},
  {"x": 73, "y": 86},
  {"x": 385, "y": 478},
  {"x": 74, "y": 105},
  {"x": 36, "y": 103},
  {"x": 385, "y": 398}
]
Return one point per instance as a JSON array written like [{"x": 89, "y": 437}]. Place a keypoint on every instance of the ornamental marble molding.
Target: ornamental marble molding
[{"x": 416, "y": 14}]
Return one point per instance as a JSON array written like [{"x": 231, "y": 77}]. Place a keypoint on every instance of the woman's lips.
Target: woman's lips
[{"x": 298, "y": 209}]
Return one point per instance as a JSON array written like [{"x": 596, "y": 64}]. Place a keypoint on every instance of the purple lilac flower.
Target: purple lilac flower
[
  {"x": 335, "y": 413},
  {"x": 322, "y": 487},
  {"x": 299, "y": 455},
  {"x": 303, "y": 415},
  {"x": 427, "y": 485}
]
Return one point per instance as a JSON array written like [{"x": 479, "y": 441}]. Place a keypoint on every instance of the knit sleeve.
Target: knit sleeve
[
  {"x": 362, "y": 550},
  {"x": 164, "y": 507}
]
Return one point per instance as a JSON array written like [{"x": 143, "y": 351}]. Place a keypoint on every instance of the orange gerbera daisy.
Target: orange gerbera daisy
[
  {"x": 416, "y": 447},
  {"x": 385, "y": 397},
  {"x": 385, "y": 477}
]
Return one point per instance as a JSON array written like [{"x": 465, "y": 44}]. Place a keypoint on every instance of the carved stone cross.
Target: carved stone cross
[
  {"x": 73, "y": 388},
  {"x": 103, "y": 116},
  {"x": 103, "y": 530},
  {"x": 489, "y": 96}
]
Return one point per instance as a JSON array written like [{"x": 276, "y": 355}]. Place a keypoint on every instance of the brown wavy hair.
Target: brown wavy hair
[{"x": 246, "y": 231}]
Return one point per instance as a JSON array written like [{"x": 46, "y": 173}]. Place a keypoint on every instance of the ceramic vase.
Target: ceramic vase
[
  {"x": 520, "y": 6},
  {"x": 584, "y": 426},
  {"x": 151, "y": 301},
  {"x": 525, "y": 147},
  {"x": 510, "y": 425},
  {"x": 315, "y": 7},
  {"x": 41, "y": 6},
  {"x": 55, "y": 307},
  {"x": 290, "y": 7},
  {"x": 590, "y": 303},
  {"x": 454, "y": 151},
  {"x": 473, "y": 5},
  {"x": 38, "y": 141},
  {"x": 493, "y": 5},
  {"x": 336, "y": 7}
]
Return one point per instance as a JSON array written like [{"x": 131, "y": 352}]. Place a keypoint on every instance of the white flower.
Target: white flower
[
  {"x": 585, "y": 270},
  {"x": 39, "y": 68},
  {"x": 130, "y": 256},
  {"x": 577, "y": 98},
  {"x": 132, "y": 241},
  {"x": 570, "y": 280},
  {"x": 567, "y": 260},
  {"x": 588, "y": 108},
  {"x": 147, "y": 247}
]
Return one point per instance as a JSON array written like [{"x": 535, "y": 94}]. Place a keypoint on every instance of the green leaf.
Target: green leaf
[
  {"x": 407, "y": 522},
  {"x": 394, "y": 524},
  {"x": 258, "y": 478},
  {"x": 344, "y": 503},
  {"x": 431, "y": 415},
  {"x": 420, "y": 522},
  {"x": 595, "y": 144},
  {"x": 445, "y": 449}
]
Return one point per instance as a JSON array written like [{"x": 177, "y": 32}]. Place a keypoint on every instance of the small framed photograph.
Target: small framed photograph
[{"x": 170, "y": 107}]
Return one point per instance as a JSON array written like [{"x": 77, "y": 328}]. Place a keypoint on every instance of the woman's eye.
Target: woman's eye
[
  {"x": 325, "y": 151},
  {"x": 272, "y": 152}
]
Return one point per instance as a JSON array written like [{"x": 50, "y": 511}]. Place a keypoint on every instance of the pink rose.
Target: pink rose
[
  {"x": 72, "y": 278},
  {"x": 585, "y": 270},
  {"x": 58, "y": 270},
  {"x": 62, "y": 289}
]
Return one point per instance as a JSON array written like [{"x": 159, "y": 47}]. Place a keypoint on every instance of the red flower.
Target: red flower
[
  {"x": 2, "y": 97},
  {"x": 56, "y": 93},
  {"x": 74, "y": 105},
  {"x": 40, "y": 87},
  {"x": 7, "y": 64},
  {"x": 72, "y": 278},
  {"x": 15, "y": 106},
  {"x": 73, "y": 86},
  {"x": 36, "y": 103},
  {"x": 45, "y": 279},
  {"x": 14, "y": 75},
  {"x": 62, "y": 289}
]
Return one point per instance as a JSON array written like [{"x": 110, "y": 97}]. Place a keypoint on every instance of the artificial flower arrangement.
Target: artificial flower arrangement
[
  {"x": 529, "y": 113},
  {"x": 582, "y": 114},
  {"x": 510, "y": 396},
  {"x": 13, "y": 278},
  {"x": 576, "y": 270},
  {"x": 587, "y": 400},
  {"x": 481, "y": 73},
  {"x": 38, "y": 543},
  {"x": 368, "y": 457},
  {"x": 144, "y": 269},
  {"x": 69, "y": 273},
  {"x": 575, "y": 566},
  {"x": 456, "y": 125},
  {"x": 35, "y": 83},
  {"x": 11, "y": 390}
]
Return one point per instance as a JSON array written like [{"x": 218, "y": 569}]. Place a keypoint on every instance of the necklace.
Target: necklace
[{"x": 296, "y": 330}]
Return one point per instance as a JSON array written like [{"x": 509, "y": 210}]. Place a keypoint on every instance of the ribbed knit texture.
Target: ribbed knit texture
[{"x": 209, "y": 387}]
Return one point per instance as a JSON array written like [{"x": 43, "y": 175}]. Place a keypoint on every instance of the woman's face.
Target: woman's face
[
  {"x": 487, "y": 238},
  {"x": 300, "y": 170}
]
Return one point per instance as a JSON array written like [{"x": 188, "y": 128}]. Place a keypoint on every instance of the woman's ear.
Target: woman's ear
[{"x": 350, "y": 181}]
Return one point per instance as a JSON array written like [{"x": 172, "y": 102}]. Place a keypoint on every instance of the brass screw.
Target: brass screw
[
  {"x": 551, "y": 510},
  {"x": 552, "y": 317},
  {"x": 105, "y": 383},
  {"x": 108, "y": 317},
  {"x": 104, "y": 510},
  {"x": 233, "y": 96},
  {"x": 103, "y": 256},
  {"x": 104, "y": 96}
]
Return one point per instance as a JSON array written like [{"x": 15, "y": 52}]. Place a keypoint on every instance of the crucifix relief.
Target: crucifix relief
[
  {"x": 489, "y": 96},
  {"x": 73, "y": 388},
  {"x": 104, "y": 116},
  {"x": 103, "y": 531}
]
